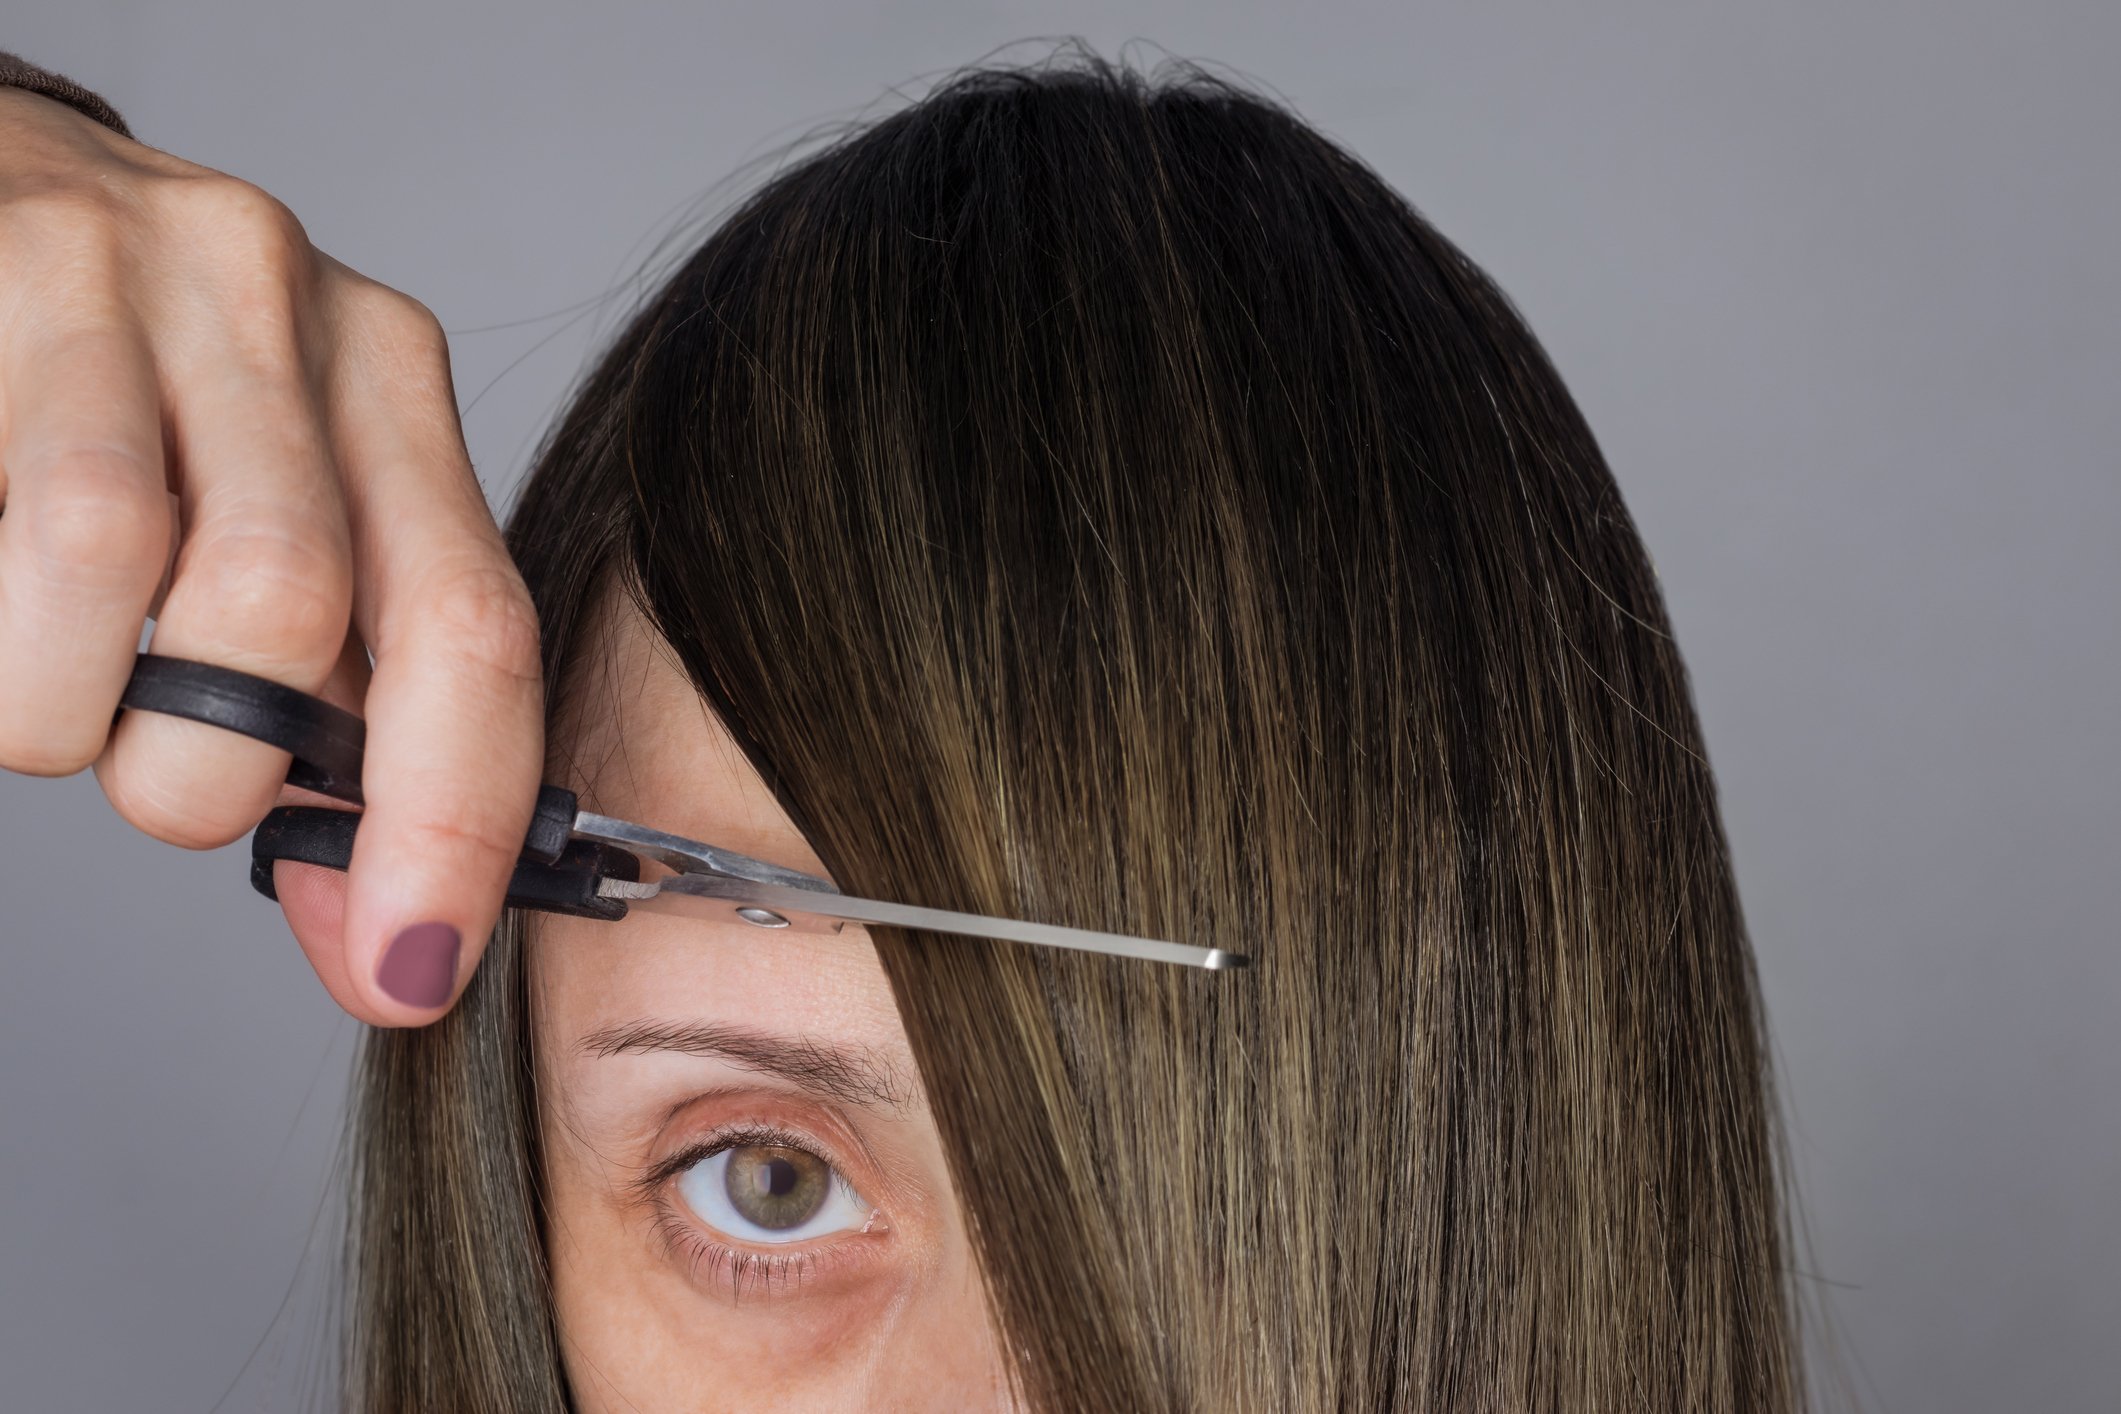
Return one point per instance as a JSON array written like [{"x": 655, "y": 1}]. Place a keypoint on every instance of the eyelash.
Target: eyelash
[{"x": 746, "y": 1271}]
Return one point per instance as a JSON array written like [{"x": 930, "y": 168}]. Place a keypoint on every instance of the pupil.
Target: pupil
[{"x": 775, "y": 1187}]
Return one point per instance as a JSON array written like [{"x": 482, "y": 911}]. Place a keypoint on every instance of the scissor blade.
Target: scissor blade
[
  {"x": 763, "y": 905},
  {"x": 690, "y": 856}
]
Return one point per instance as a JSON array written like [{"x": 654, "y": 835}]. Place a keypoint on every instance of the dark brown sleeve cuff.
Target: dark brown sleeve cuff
[{"x": 20, "y": 73}]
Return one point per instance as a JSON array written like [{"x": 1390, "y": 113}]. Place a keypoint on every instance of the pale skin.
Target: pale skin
[
  {"x": 655, "y": 1035},
  {"x": 177, "y": 360}
]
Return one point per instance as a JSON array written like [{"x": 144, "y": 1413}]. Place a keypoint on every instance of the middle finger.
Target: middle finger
[{"x": 263, "y": 580}]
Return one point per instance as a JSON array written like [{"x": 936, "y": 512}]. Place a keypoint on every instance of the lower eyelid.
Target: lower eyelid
[{"x": 721, "y": 1264}]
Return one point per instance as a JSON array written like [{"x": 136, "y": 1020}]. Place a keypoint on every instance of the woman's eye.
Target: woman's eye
[{"x": 768, "y": 1193}]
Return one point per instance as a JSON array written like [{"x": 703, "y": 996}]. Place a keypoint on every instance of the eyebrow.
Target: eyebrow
[{"x": 857, "y": 1077}]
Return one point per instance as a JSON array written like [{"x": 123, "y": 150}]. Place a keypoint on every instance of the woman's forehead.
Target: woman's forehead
[
  {"x": 641, "y": 745},
  {"x": 637, "y": 742},
  {"x": 610, "y": 988}
]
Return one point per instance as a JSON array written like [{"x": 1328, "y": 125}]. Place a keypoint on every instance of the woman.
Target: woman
[{"x": 1105, "y": 502}]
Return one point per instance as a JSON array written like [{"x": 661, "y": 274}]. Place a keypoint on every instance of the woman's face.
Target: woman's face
[{"x": 748, "y": 1201}]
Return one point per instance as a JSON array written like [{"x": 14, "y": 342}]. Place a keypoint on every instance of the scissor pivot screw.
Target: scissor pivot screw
[{"x": 763, "y": 917}]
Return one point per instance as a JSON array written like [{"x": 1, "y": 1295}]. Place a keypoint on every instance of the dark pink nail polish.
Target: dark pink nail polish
[{"x": 420, "y": 965}]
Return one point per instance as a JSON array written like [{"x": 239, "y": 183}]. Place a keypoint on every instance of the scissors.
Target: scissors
[{"x": 573, "y": 862}]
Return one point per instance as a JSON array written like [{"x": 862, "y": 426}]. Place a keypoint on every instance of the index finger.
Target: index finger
[{"x": 456, "y": 706}]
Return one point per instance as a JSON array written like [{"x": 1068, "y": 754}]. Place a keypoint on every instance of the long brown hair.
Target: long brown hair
[{"x": 1104, "y": 500}]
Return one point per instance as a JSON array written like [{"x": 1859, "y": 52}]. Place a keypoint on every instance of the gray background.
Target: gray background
[{"x": 1836, "y": 286}]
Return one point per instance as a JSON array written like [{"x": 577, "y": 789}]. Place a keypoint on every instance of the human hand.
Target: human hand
[{"x": 174, "y": 352}]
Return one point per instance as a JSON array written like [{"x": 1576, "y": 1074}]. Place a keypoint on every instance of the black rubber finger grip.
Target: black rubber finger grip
[
  {"x": 551, "y": 825},
  {"x": 569, "y": 884},
  {"x": 326, "y": 741},
  {"x": 307, "y": 834}
]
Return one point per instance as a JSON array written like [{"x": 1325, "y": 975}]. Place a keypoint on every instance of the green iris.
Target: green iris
[{"x": 777, "y": 1188}]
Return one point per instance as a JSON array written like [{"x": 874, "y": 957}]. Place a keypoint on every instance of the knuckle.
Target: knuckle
[
  {"x": 80, "y": 220},
  {"x": 98, "y": 520},
  {"x": 484, "y": 614},
  {"x": 398, "y": 323},
  {"x": 246, "y": 250},
  {"x": 248, "y": 223},
  {"x": 283, "y": 594},
  {"x": 475, "y": 842}
]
